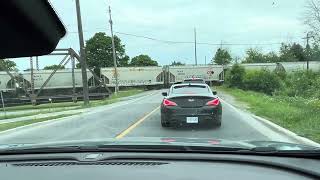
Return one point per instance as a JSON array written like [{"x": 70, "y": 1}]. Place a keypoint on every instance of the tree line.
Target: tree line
[{"x": 291, "y": 52}]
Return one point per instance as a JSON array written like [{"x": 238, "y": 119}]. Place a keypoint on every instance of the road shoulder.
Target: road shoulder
[{"x": 267, "y": 123}]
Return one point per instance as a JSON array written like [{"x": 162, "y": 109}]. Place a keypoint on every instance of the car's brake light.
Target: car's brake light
[
  {"x": 214, "y": 102},
  {"x": 167, "y": 102}
]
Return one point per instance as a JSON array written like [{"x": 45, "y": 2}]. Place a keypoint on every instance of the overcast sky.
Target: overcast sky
[{"x": 216, "y": 21}]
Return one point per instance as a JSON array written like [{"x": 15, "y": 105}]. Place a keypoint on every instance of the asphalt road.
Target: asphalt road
[{"x": 139, "y": 116}]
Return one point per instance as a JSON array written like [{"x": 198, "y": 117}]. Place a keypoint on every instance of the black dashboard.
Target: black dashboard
[{"x": 155, "y": 166}]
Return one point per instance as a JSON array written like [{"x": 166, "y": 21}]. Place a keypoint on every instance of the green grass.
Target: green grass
[
  {"x": 49, "y": 108},
  {"x": 42, "y": 106},
  {"x": 115, "y": 98},
  {"x": 11, "y": 116},
  {"x": 297, "y": 114},
  {"x": 110, "y": 100},
  {"x": 12, "y": 125}
]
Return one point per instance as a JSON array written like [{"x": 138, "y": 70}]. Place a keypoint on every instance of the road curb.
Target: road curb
[{"x": 286, "y": 132}]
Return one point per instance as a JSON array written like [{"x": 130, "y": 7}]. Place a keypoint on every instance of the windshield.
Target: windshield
[
  {"x": 255, "y": 64},
  {"x": 190, "y": 89},
  {"x": 194, "y": 80}
]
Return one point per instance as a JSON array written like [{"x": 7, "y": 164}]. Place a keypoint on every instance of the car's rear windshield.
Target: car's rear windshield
[
  {"x": 194, "y": 80},
  {"x": 190, "y": 89}
]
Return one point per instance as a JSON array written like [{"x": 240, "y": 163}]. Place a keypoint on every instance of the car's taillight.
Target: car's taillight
[
  {"x": 214, "y": 102},
  {"x": 167, "y": 102}
]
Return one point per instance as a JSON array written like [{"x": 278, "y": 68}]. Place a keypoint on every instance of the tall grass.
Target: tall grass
[{"x": 297, "y": 114}]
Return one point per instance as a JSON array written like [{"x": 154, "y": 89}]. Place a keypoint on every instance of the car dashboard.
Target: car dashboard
[{"x": 120, "y": 165}]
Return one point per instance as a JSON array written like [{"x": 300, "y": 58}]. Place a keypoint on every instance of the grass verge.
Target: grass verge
[
  {"x": 115, "y": 98},
  {"x": 297, "y": 114},
  {"x": 11, "y": 116},
  {"x": 52, "y": 106},
  {"x": 42, "y": 106},
  {"x": 12, "y": 125}
]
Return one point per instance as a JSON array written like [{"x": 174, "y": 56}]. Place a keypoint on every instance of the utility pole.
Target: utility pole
[
  {"x": 195, "y": 46},
  {"x": 308, "y": 47},
  {"x": 32, "y": 95},
  {"x": 205, "y": 60},
  {"x": 3, "y": 108},
  {"x": 31, "y": 76},
  {"x": 37, "y": 63},
  {"x": 82, "y": 57},
  {"x": 114, "y": 54}
]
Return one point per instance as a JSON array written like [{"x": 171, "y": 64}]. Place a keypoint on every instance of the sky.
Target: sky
[{"x": 228, "y": 22}]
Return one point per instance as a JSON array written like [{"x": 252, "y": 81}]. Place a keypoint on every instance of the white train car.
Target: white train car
[
  {"x": 62, "y": 79},
  {"x": 206, "y": 72},
  {"x": 133, "y": 76},
  {"x": 295, "y": 66},
  {"x": 259, "y": 66},
  {"x": 6, "y": 84}
]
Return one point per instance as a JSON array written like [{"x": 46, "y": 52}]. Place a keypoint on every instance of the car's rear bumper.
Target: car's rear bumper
[{"x": 178, "y": 116}]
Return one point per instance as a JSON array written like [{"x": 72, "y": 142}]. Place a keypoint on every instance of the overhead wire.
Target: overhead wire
[{"x": 189, "y": 42}]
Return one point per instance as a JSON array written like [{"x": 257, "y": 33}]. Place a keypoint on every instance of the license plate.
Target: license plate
[{"x": 192, "y": 120}]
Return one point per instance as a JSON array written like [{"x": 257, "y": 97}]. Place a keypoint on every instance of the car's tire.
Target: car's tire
[
  {"x": 218, "y": 122},
  {"x": 164, "y": 123}
]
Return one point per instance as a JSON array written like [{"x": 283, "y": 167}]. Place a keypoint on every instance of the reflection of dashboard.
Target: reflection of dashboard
[{"x": 155, "y": 166}]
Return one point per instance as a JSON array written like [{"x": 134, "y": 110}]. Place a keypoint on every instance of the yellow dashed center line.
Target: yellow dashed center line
[{"x": 129, "y": 129}]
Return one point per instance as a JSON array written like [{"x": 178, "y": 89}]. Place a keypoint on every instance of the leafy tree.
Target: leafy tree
[
  {"x": 7, "y": 64},
  {"x": 254, "y": 55},
  {"x": 236, "y": 76},
  {"x": 222, "y": 57},
  {"x": 271, "y": 57},
  {"x": 99, "y": 51},
  {"x": 124, "y": 61},
  {"x": 177, "y": 63},
  {"x": 143, "y": 60},
  {"x": 236, "y": 60},
  {"x": 298, "y": 52},
  {"x": 292, "y": 52},
  {"x": 315, "y": 52},
  {"x": 54, "y": 67},
  {"x": 311, "y": 17},
  {"x": 286, "y": 55}
]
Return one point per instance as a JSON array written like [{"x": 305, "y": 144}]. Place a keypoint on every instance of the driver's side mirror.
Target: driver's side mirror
[
  {"x": 164, "y": 94},
  {"x": 214, "y": 92}
]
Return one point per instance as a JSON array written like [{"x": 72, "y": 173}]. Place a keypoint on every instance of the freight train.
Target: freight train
[
  {"x": 61, "y": 81},
  {"x": 150, "y": 77}
]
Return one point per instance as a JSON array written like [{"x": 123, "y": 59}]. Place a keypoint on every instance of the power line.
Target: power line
[{"x": 190, "y": 42}]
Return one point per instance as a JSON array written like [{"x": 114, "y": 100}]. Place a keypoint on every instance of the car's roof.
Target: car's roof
[
  {"x": 191, "y": 84},
  {"x": 193, "y": 79}
]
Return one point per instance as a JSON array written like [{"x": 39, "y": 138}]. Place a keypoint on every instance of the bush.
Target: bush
[
  {"x": 302, "y": 83},
  {"x": 235, "y": 77},
  {"x": 261, "y": 81}
]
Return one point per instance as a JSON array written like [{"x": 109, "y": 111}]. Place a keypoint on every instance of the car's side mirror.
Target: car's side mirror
[
  {"x": 164, "y": 94},
  {"x": 214, "y": 92}
]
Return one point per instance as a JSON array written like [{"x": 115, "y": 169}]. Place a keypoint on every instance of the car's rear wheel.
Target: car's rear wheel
[
  {"x": 164, "y": 123},
  {"x": 218, "y": 122}
]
